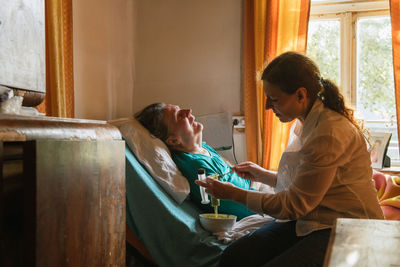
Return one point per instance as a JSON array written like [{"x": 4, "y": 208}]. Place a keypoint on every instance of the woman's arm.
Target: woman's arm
[
  {"x": 253, "y": 172},
  {"x": 320, "y": 158},
  {"x": 314, "y": 176}
]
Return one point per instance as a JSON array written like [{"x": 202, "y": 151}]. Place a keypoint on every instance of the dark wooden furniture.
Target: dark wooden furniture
[{"x": 62, "y": 192}]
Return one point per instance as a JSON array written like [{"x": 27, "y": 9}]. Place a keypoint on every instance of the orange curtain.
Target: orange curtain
[
  {"x": 59, "y": 101},
  {"x": 271, "y": 27},
  {"x": 395, "y": 20}
]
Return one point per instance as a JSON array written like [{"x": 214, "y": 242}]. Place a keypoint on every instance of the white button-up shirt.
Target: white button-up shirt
[{"x": 325, "y": 173}]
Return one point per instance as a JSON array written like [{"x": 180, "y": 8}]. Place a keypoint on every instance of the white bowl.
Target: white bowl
[{"x": 213, "y": 224}]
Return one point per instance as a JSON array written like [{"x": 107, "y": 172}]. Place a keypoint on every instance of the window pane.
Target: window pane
[
  {"x": 375, "y": 82},
  {"x": 323, "y": 46}
]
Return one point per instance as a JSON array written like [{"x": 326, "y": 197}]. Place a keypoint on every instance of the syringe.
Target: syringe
[
  {"x": 201, "y": 175},
  {"x": 215, "y": 201}
]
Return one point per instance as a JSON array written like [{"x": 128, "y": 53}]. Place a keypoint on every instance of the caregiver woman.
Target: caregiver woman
[{"x": 325, "y": 172}]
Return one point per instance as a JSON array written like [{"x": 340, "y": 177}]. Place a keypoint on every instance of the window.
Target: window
[{"x": 352, "y": 44}]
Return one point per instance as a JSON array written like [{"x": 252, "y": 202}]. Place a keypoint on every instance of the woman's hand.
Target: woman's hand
[
  {"x": 223, "y": 190},
  {"x": 250, "y": 171}
]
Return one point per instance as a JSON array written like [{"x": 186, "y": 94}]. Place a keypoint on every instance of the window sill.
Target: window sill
[{"x": 390, "y": 170}]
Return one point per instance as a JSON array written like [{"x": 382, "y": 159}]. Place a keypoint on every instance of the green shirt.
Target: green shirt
[{"x": 189, "y": 163}]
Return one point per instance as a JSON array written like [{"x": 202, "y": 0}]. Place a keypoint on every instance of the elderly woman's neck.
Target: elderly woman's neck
[
  {"x": 195, "y": 148},
  {"x": 199, "y": 149}
]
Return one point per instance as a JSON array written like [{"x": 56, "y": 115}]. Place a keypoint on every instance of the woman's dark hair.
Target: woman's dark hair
[
  {"x": 292, "y": 70},
  {"x": 151, "y": 118}
]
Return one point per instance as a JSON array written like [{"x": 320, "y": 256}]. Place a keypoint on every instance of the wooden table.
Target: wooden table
[{"x": 362, "y": 242}]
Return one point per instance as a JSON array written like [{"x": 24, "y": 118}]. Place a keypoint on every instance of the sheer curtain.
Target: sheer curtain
[
  {"x": 59, "y": 101},
  {"x": 395, "y": 20},
  {"x": 271, "y": 27}
]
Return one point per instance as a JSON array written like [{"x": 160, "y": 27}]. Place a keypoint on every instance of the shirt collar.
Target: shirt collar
[{"x": 304, "y": 129}]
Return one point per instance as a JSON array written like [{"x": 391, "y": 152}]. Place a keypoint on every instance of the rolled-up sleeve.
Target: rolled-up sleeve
[
  {"x": 255, "y": 201},
  {"x": 319, "y": 160}
]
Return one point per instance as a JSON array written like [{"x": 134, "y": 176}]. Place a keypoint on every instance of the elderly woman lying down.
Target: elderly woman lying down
[{"x": 183, "y": 136}]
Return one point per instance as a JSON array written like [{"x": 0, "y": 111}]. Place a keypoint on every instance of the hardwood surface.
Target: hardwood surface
[
  {"x": 62, "y": 202},
  {"x": 366, "y": 243},
  {"x": 24, "y": 128}
]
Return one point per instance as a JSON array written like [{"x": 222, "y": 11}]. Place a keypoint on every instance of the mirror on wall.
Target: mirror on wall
[{"x": 22, "y": 48}]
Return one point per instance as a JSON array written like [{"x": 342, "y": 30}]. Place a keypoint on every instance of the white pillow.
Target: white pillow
[{"x": 155, "y": 156}]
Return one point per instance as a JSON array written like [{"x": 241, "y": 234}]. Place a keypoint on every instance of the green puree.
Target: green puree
[
  {"x": 215, "y": 201},
  {"x": 219, "y": 216}
]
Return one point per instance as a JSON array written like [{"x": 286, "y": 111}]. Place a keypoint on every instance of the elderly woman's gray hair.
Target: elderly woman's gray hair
[{"x": 151, "y": 118}]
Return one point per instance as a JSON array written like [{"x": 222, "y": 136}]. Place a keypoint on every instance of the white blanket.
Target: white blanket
[{"x": 243, "y": 227}]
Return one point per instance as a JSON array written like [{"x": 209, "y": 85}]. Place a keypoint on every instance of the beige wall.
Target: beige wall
[
  {"x": 130, "y": 53},
  {"x": 103, "y": 58},
  {"x": 189, "y": 53}
]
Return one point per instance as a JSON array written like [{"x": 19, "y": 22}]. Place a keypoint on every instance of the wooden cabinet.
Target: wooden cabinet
[{"x": 62, "y": 197}]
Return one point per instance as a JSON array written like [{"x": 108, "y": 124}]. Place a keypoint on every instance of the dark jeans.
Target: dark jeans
[{"x": 276, "y": 244}]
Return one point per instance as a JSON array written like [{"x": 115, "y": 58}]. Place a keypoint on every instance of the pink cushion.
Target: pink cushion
[
  {"x": 388, "y": 192},
  {"x": 391, "y": 213}
]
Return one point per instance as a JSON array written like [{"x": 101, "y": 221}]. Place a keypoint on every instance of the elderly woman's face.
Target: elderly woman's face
[{"x": 181, "y": 123}]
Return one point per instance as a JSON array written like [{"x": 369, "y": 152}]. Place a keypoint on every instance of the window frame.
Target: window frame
[{"x": 348, "y": 12}]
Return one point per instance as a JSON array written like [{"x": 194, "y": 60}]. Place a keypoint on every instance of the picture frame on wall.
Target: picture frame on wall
[{"x": 379, "y": 142}]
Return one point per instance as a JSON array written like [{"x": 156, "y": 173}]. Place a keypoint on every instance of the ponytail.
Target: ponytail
[{"x": 334, "y": 100}]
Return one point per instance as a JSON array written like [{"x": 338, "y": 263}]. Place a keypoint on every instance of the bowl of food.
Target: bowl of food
[{"x": 217, "y": 223}]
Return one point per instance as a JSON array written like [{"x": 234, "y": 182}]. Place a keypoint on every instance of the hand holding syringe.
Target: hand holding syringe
[{"x": 204, "y": 196}]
